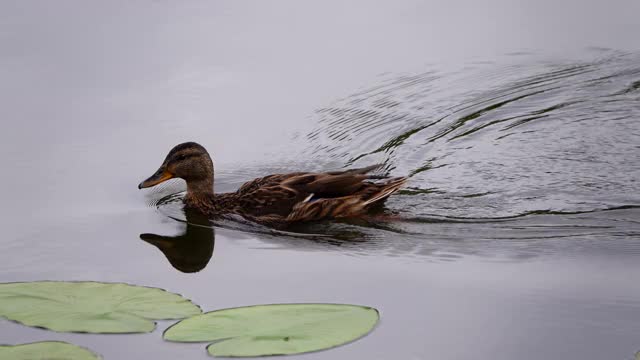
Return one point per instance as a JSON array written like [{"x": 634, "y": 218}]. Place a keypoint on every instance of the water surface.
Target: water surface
[{"x": 518, "y": 235}]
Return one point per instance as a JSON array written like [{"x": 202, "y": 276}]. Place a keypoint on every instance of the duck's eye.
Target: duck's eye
[{"x": 181, "y": 157}]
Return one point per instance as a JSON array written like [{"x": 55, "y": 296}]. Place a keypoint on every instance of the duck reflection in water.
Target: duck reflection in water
[{"x": 190, "y": 251}]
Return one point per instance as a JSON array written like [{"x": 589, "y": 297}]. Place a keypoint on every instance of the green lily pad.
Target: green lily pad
[
  {"x": 279, "y": 329},
  {"x": 91, "y": 306},
  {"x": 46, "y": 350}
]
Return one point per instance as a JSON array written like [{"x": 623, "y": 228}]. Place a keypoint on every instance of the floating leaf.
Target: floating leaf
[
  {"x": 46, "y": 350},
  {"x": 278, "y": 329},
  {"x": 91, "y": 306}
]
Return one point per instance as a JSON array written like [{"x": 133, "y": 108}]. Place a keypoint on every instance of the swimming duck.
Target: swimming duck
[{"x": 275, "y": 200}]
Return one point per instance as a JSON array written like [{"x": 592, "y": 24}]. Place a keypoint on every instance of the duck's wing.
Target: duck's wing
[
  {"x": 357, "y": 203},
  {"x": 301, "y": 178},
  {"x": 330, "y": 184},
  {"x": 313, "y": 196}
]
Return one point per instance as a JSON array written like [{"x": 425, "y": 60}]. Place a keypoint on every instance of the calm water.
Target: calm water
[{"x": 518, "y": 235}]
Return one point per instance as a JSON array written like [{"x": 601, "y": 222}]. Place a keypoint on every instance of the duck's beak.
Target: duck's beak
[{"x": 161, "y": 175}]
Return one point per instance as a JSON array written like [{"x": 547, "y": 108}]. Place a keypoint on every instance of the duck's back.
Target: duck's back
[{"x": 306, "y": 196}]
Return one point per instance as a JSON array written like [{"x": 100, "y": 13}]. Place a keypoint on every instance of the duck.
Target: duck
[{"x": 276, "y": 200}]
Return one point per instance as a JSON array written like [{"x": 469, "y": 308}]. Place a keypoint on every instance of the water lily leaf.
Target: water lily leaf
[
  {"x": 46, "y": 350},
  {"x": 279, "y": 329},
  {"x": 91, "y": 306}
]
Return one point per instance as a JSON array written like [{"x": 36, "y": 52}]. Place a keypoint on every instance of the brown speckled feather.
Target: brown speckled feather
[
  {"x": 282, "y": 199},
  {"x": 275, "y": 200}
]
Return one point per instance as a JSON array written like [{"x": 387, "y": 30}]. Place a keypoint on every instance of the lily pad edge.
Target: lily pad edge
[
  {"x": 213, "y": 342},
  {"x": 96, "y": 355},
  {"x": 257, "y": 305},
  {"x": 154, "y": 321}
]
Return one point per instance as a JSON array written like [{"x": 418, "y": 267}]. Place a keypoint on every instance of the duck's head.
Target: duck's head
[{"x": 188, "y": 161}]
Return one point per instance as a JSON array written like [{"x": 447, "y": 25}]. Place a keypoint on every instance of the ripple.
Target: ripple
[
  {"x": 505, "y": 160},
  {"x": 543, "y": 136}
]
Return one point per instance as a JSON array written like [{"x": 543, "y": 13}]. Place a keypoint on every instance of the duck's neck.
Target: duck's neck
[
  {"x": 200, "y": 184},
  {"x": 199, "y": 191}
]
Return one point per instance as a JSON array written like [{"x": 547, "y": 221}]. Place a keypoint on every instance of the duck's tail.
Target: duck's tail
[{"x": 385, "y": 190}]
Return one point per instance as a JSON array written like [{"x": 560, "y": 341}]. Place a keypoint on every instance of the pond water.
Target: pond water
[{"x": 517, "y": 236}]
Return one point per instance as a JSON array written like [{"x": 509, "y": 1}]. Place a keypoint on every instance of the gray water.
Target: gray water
[{"x": 518, "y": 235}]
